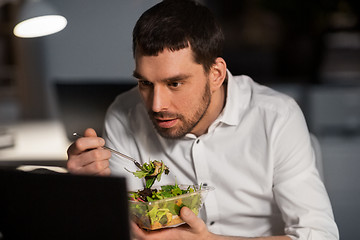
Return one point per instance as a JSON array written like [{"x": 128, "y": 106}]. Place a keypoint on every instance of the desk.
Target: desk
[{"x": 35, "y": 142}]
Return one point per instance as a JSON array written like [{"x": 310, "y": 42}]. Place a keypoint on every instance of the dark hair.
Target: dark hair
[{"x": 176, "y": 24}]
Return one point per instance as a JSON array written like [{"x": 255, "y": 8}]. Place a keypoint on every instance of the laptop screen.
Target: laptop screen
[{"x": 62, "y": 206}]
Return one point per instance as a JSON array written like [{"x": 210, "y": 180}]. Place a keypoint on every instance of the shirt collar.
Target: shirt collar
[{"x": 237, "y": 100}]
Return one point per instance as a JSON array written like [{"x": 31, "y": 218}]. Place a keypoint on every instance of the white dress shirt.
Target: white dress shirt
[{"x": 257, "y": 155}]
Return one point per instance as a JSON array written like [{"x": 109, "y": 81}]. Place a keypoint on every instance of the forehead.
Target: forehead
[{"x": 166, "y": 64}]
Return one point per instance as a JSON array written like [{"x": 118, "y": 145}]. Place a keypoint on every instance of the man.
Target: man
[{"x": 248, "y": 141}]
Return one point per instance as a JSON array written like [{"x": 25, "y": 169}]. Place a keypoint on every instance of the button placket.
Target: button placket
[
  {"x": 201, "y": 168},
  {"x": 200, "y": 155}
]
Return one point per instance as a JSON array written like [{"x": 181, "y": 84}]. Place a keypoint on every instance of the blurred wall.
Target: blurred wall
[{"x": 96, "y": 44}]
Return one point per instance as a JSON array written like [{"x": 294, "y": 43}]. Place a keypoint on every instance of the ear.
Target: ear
[{"x": 217, "y": 74}]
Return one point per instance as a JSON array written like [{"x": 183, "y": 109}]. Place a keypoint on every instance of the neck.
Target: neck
[{"x": 215, "y": 107}]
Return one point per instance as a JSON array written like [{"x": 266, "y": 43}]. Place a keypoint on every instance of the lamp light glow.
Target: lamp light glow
[
  {"x": 38, "y": 18},
  {"x": 40, "y": 26}
]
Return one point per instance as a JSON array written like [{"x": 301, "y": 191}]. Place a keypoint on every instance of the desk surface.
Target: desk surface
[{"x": 35, "y": 141}]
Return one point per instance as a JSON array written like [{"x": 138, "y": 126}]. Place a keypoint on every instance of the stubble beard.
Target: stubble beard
[{"x": 187, "y": 124}]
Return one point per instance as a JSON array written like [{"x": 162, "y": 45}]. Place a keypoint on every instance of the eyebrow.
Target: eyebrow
[
  {"x": 137, "y": 75},
  {"x": 169, "y": 79}
]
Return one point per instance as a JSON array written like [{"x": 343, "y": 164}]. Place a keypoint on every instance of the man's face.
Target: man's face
[{"x": 175, "y": 90}]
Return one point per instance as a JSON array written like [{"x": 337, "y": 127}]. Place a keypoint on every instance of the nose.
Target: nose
[{"x": 160, "y": 99}]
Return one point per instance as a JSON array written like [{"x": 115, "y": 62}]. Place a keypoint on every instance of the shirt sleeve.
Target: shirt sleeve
[
  {"x": 118, "y": 136},
  {"x": 298, "y": 189}
]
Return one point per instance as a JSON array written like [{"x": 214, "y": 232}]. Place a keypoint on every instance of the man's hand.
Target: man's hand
[
  {"x": 86, "y": 155},
  {"x": 194, "y": 229}
]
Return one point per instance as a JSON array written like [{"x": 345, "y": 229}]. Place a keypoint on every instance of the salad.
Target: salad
[
  {"x": 151, "y": 171},
  {"x": 155, "y": 208}
]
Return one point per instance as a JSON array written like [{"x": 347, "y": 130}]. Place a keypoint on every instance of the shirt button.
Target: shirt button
[
  {"x": 197, "y": 141},
  {"x": 212, "y": 223}
]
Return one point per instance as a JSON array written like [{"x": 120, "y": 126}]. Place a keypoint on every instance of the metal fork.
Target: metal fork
[{"x": 137, "y": 164}]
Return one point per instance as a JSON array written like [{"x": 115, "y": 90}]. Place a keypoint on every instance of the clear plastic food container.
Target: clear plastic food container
[{"x": 165, "y": 213}]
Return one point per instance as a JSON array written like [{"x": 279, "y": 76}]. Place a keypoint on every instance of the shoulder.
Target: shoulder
[
  {"x": 264, "y": 98},
  {"x": 126, "y": 100},
  {"x": 127, "y": 109},
  {"x": 127, "y": 116},
  {"x": 127, "y": 105}
]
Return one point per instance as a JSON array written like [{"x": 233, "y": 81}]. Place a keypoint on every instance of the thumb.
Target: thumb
[
  {"x": 90, "y": 132},
  {"x": 195, "y": 223}
]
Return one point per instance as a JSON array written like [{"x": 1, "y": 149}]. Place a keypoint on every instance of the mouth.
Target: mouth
[{"x": 166, "y": 123}]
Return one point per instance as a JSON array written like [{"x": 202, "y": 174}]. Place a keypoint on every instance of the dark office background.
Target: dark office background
[
  {"x": 284, "y": 41},
  {"x": 309, "y": 50}
]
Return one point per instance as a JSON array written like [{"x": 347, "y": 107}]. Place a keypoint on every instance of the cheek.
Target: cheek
[
  {"x": 191, "y": 100},
  {"x": 186, "y": 103}
]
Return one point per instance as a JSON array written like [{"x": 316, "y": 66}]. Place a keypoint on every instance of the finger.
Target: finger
[
  {"x": 90, "y": 140},
  {"x": 90, "y": 132},
  {"x": 95, "y": 157},
  {"x": 89, "y": 149},
  {"x": 94, "y": 168},
  {"x": 137, "y": 232},
  {"x": 84, "y": 144},
  {"x": 105, "y": 172},
  {"x": 195, "y": 223},
  {"x": 90, "y": 162}
]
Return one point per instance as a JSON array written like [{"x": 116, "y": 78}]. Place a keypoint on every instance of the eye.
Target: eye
[
  {"x": 174, "y": 84},
  {"x": 144, "y": 83}
]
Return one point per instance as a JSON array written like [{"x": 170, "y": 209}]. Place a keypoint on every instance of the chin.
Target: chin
[{"x": 171, "y": 133}]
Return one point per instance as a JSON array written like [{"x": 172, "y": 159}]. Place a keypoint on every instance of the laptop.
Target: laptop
[{"x": 62, "y": 206}]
